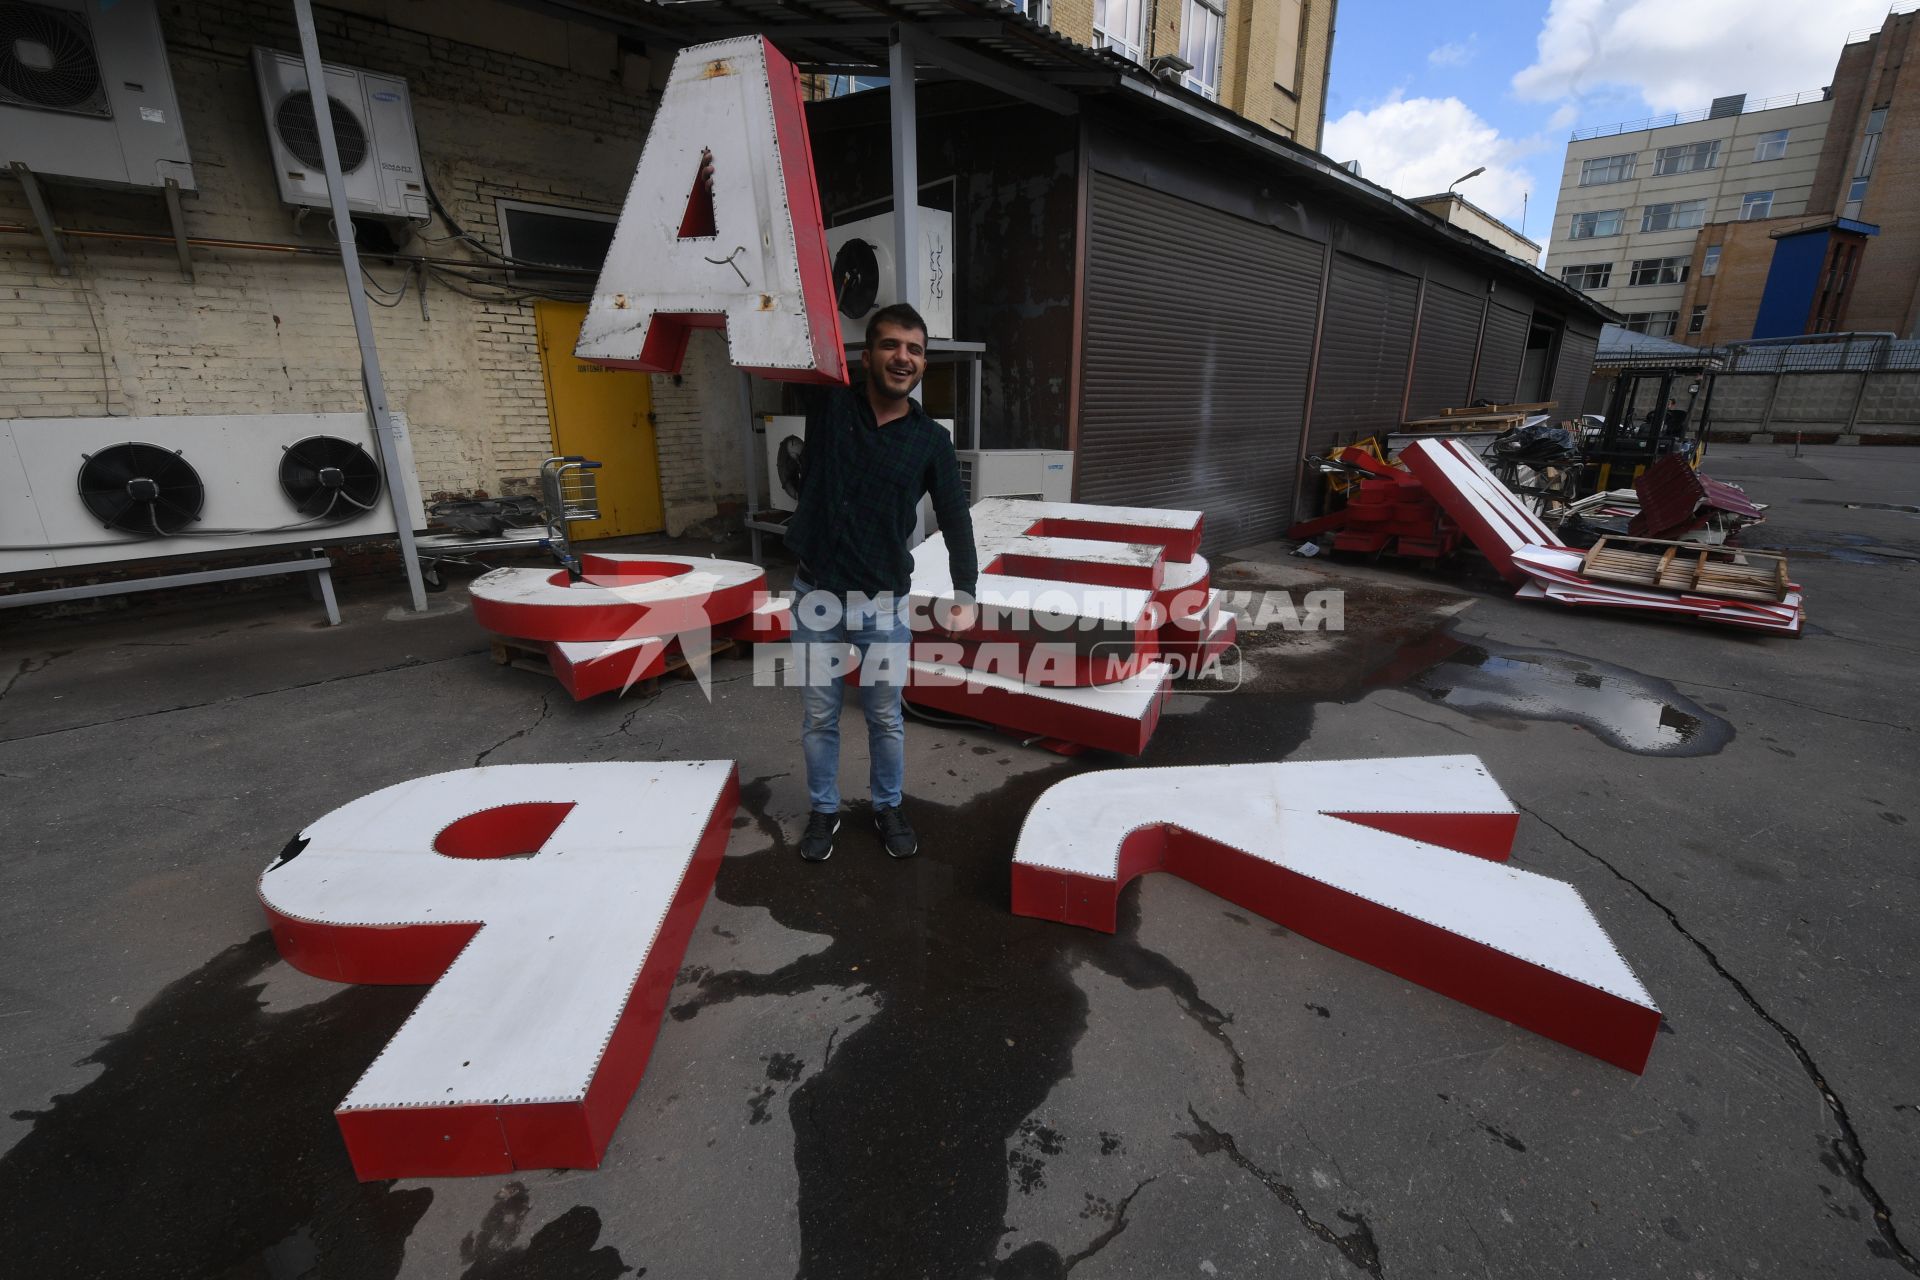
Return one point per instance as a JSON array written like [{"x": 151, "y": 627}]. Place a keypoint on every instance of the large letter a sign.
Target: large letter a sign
[
  {"x": 722, "y": 228},
  {"x": 549, "y": 904}
]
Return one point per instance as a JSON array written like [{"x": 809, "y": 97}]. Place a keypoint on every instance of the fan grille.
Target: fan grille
[
  {"x": 141, "y": 489},
  {"x": 47, "y": 61},
  {"x": 856, "y": 278},
  {"x": 328, "y": 476},
  {"x": 293, "y": 119}
]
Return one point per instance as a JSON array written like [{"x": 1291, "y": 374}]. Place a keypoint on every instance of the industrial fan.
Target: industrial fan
[
  {"x": 788, "y": 465},
  {"x": 141, "y": 488},
  {"x": 327, "y": 476},
  {"x": 856, "y": 278}
]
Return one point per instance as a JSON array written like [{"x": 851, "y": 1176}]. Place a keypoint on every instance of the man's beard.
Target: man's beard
[{"x": 884, "y": 389}]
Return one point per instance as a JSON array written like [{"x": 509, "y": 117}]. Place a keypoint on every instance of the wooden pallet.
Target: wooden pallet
[{"x": 1693, "y": 567}]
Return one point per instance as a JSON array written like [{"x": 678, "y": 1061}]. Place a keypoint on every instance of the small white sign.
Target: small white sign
[{"x": 153, "y": 115}]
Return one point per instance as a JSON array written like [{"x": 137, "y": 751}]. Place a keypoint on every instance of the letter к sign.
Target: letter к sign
[
  {"x": 1400, "y": 863},
  {"x": 549, "y": 905}
]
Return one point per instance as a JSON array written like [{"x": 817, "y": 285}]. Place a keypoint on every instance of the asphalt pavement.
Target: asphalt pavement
[{"x": 873, "y": 1069}]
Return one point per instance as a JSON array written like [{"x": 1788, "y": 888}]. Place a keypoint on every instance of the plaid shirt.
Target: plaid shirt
[{"x": 860, "y": 486}]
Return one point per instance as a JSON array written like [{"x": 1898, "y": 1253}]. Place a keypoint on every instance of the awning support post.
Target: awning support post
[{"x": 375, "y": 385}]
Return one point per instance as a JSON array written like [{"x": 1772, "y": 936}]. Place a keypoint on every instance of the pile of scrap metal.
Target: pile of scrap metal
[
  {"x": 1716, "y": 583},
  {"x": 1669, "y": 500},
  {"x": 1387, "y": 511}
]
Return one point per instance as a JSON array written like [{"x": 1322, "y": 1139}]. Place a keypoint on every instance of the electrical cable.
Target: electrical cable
[{"x": 327, "y": 517}]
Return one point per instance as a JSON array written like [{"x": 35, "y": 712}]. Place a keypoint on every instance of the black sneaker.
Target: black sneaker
[
  {"x": 895, "y": 834},
  {"x": 816, "y": 842}
]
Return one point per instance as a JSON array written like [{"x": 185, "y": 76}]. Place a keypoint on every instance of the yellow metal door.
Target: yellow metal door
[{"x": 602, "y": 414}]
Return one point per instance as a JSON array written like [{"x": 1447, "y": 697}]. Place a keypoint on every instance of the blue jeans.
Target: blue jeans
[{"x": 877, "y": 637}]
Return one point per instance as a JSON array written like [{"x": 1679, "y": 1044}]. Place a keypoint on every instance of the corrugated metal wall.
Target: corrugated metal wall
[
  {"x": 1443, "y": 363},
  {"x": 1574, "y": 370},
  {"x": 1195, "y": 360},
  {"x": 1500, "y": 353},
  {"x": 1363, "y": 354}
]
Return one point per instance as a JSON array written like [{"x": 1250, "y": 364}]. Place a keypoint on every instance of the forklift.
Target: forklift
[{"x": 1655, "y": 410}]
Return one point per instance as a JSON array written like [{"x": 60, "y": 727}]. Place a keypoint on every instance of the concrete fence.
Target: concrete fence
[{"x": 1879, "y": 407}]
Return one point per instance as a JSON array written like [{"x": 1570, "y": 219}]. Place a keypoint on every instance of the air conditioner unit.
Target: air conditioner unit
[
  {"x": 785, "y": 439},
  {"x": 86, "y": 96},
  {"x": 863, "y": 270},
  {"x": 372, "y": 124},
  {"x": 1042, "y": 474},
  {"x": 90, "y": 491}
]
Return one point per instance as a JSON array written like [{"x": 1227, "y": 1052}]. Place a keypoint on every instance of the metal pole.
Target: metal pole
[
  {"x": 906, "y": 168},
  {"x": 376, "y": 387}
]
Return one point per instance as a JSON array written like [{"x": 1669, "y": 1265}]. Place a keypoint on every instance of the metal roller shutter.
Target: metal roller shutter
[
  {"x": 1199, "y": 327},
  {"x": 1500, "y": 354},
  {"x": 1575, "y": 370},
  {"x": 1443, "y": 363},
  {"x": 1363, "y": 354}
]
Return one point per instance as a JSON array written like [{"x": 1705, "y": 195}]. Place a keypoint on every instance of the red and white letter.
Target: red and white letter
[
  {"x": 1400, "y": 863},
  {"x": 549, "y": 905},
  {"x": 722, "y": 228}
]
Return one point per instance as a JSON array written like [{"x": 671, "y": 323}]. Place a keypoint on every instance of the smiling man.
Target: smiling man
[{"x": 871, "y": 453}]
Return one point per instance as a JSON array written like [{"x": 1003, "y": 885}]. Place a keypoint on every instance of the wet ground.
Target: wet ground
[{"x": 872, "y": 1069}]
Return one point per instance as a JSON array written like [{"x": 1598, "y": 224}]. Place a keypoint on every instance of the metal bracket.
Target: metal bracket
[
  {"x": 179, "y": 224},
  {"x": 48, "y": 232}
]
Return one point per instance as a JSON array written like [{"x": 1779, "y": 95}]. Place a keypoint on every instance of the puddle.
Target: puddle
[{"x": 1620, "y": 707}]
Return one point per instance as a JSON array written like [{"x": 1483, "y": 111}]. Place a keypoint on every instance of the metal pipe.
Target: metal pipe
[
  {"x": 906, "y": 168},
  {"x": 376, "y": 387},
  {"x": 275, "y": 246}
]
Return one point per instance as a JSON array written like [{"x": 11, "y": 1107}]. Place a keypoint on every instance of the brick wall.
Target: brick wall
[{"x": 520, "y": 107}]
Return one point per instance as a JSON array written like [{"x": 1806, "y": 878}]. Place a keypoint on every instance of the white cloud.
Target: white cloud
[
  {"x": 1417, "y": 146},
  {"x": 1682, "y": 55},
  {"x": 1564, "y": 117},
  {"x": 1453, "y": 53}
]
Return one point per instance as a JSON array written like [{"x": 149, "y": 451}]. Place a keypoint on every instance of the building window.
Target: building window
[
  {"x": 555, "y": 236},
  {"x": 1604, "y": 169},
  {"x": 1200, "y": 36},
  {"x": 1686, "y": 159},
  {"x": 1286, "y": 52},
  {"x": 1658, "y": 271},
  {"x": 1710, "y": 264},
  {"x": 1588, "y": 275},
  {"x": 1697, "y": 321},
  {"x": 1658, "y": 324},
  {"x": 1601, "y": 222},
  {"x": 1869, "y": 151},
  {"x": 1675, "y": 216},
  {"x": 1040, "y": 11},
  {"x": 1771, "y": 146},
  {"x": 1756, "y": 204},
  {"x": 1121, "y": 25}
]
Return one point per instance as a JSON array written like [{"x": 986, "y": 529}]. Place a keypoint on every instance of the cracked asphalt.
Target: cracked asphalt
[{"x": 871, "y": 1068}]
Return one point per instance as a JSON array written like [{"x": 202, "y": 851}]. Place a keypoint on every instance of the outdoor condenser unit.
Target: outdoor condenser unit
[
  {"x": 90, "y": 491},
  {"x": 1044, "y": 474},
  {"x": 372, "y": 118},
  {"x": 86, "y": 96},
  {"x": 785, "y": 437},
  {"x": 863, "y": 255}
]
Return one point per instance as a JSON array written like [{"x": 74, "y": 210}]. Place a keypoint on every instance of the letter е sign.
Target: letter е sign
[
  {"x": 722, "y": 228},
  {"x": 549, "y": 905}
]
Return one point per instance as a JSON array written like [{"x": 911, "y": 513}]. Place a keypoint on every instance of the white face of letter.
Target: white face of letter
[
  {"x": 732, "y": 109},
  {"x": 1398, "y": 862},
  {"x": 556, "y": 898}
]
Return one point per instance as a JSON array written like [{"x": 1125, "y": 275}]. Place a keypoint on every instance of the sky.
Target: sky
[{"x": 1422, "y": 93}]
